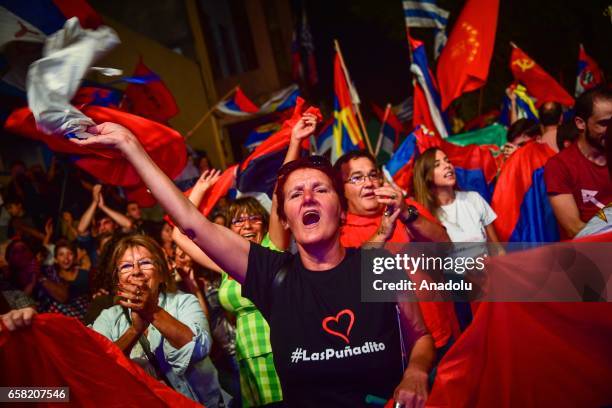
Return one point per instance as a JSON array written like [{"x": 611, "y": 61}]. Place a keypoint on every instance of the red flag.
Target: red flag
[
  {"x": 463, "y": 65},
  {"x": 58, "y": 351},
  {"x": 589, "y": 73},
  {"x": 141, "y": 195},
  {"x": 165, "y": 146},
  {"x": 151, "y": 99},
  {"x": 529, "y": 355},
  {"x": 539, "y": 84}
]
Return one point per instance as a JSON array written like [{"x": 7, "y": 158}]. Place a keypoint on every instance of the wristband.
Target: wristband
[{"x": 413, "y": 214}]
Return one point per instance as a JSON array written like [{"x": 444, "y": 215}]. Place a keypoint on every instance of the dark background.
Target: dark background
[{"x": 372, "y": 35}]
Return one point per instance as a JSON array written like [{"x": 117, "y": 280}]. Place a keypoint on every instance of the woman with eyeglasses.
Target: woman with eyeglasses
[
  {"x": 465, "y": 214},
  {"x": 163, "y": 330},
  {"x": 259, "y": 383},
  {"x": 330, "y": 348}
]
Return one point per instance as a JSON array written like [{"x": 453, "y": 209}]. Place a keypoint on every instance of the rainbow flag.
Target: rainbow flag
[{"x": 347, "y": 135}]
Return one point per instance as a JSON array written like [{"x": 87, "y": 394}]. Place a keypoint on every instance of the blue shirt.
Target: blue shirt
[{"x": 188, "y": 369}]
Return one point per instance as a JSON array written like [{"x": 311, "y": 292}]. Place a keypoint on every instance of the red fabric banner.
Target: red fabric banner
[
  {"x": 539, "y": 83},
  {"x": 165, "y": 146},
  {"x": 152, "y": 99},
  {"x": 58, "y": 351},
  {"x": 463, "y": 65}
]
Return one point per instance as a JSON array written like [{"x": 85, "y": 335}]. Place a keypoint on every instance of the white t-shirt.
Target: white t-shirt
[{"x": 465, "y": 218}]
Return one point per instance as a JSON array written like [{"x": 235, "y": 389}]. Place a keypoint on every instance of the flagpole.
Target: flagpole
[
  {"x": 382, "y": 126},
  {"x": 356, "y": 106},
  {"x": 208, "y": 113}
]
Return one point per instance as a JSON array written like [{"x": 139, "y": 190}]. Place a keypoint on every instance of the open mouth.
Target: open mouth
[
  {"x": 449, "y": 174},
  {"x": 369, "y": 194},
  {"x": 249, "y": 236},
  {"x": 311, "y": 217}
]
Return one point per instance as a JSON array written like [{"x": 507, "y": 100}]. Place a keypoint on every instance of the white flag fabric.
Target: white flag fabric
[
  {"x": 424, "y": 14},
  {"x": 53, "y": 80}
]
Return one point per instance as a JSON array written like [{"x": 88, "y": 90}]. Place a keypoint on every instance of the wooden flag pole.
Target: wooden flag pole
[
  {"x": 513, "y": 44},
  {"x": 208, "y": 113},
  {"x": 382, "y": 126},
  {"x": 355, "y": 105}
]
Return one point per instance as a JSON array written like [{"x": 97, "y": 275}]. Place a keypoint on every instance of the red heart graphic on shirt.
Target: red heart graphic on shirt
[{"x": 336, "y": 319}]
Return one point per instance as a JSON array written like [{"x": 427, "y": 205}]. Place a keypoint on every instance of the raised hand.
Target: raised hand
[
  {"x": 390, "y": 196},
  {"x": 207, "y": 179},
  {"x": 304, "y": 127},
  {"x": 110, "y": 135},
  {"x": 96, "y": 193}
]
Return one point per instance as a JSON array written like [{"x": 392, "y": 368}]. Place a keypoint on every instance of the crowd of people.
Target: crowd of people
[{"x": 244, "y": 308}]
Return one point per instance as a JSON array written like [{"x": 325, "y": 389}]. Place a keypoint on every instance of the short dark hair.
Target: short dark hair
[
  {"x": 310, "y": 162},
  {"x": 523, "y": 126},
  {"x": 584, "y": 104},
  {"x": 352, "y": 155},
  {"x": 64, "y": 243},
  {"x": 550, "y": 113},
  {"x": 566, "y": 132}
]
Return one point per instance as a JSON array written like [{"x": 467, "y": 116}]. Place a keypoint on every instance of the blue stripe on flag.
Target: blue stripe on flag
[
  {"x": 414, "y": 13},
  {"x": 289, "y": 102},
  {"x": 402, "y": 155},
  {"x": 42, "y": 14},
  {"x": 473, "y": 180},
  {"x": 537, "y": 222}
]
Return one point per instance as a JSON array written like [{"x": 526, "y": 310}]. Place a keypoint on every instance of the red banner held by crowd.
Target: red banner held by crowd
[{"x": 58, "y": 351}]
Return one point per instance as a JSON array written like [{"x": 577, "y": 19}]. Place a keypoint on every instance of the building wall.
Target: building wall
[{"x": 181, "y": 75}]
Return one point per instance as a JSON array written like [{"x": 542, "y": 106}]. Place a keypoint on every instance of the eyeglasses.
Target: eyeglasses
[
  {"x": 361, "y": 178},
  {"x": 253, "y": 219},
  {"x": 143, "y": 264}
]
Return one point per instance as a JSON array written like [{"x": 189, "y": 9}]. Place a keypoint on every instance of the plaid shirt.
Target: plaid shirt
[{"x": 258, "y": 379}]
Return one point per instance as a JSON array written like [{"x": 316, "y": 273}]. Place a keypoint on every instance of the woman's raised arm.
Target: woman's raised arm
[{"x": 225, "y": 248}]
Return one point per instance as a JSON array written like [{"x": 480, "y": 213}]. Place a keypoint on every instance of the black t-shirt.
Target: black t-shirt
[{"x": 330, "y": 349}]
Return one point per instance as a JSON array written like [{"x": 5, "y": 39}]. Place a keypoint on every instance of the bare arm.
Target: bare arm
[
  {"x": 88, "y": 215},
  {"x": 423, "y": 229},
  {"x": 491, "y": 234},
  {"x": 213, "y": 239},
  {"x": 206, "y": 180},
  {"x": 305, "y": 127},
  {"x": 413, "y": 387},
  {"x": 122, "y": 220},
  {"x": 57, "y": 290},
  {"x": 567, "y": 214}
]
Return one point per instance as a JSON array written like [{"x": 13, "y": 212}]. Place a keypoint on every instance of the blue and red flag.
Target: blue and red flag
[
  {"x": 475, "y": 166},
  {"x": 325, "y": 138},
  {"x": 302, "y": 48},
  {"x": 165, "y": 146},
  {"x": 257, "y": 173},
  {"x": 28, "y": 23},
  {"x": 426, "y": 110},
  {"x": 149, "y": 97},
  {"x": 91, "y": 94},
  {"x": 391, "y": 129},
  {"x": 347, "y": 135},
  {"x": 261, "y": 133},
  {"x": 238, "y": 104},
  {"x": 523, "y": 211},
  {"x": 589, "y": 73}
]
